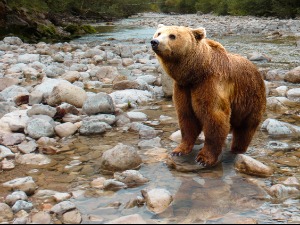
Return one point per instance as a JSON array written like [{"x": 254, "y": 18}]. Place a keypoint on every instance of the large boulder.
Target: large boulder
[
  {"x": 120, "y": 158},
  {"x": 67, "y": 93}
]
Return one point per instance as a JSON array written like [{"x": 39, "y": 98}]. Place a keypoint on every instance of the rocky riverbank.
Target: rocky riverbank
[{"x": 84, "y": 120}]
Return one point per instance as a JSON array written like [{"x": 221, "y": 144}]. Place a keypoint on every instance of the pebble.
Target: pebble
[
  {"x": 6, "y": 213},
  {"x": 41, "y": 218},
  {"x": 130, "y": 177},
  {"x": 22, "y": 205},
  {"x": 62, "y": 207},
  {"x": 72, "y": 217},
  {"x": 15, "y": 196},
  {"x": 25, "y": 184}
]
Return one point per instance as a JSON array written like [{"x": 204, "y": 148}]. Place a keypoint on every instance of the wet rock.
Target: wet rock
[
  {"x": 248, "y": 165},
  {"x": 63, "y": 207},
  {"x": 132, "y": 97},
  {"x": 27, "y": 147},
  {"x": 37, "y": 128},
  {"x": 93, "y": 126},
  {"x": 14, "y": 197},
  {"x": 137, "y": 116},
  {"x": 6, "y": 82},
  {"x": 41, "y": 218},
  {"x": 72, "y": 217},
  {"x": 281, "y": 191},
  {"x": 294, "y": 94},
  {"x": 67, "y": 93},
  {"x": 152, "y": 143},
  {"x": 22, "y": 205},
  {"x": 120, "y": 158},
  {"x": 33, "y": 159},
  {"x": 6, "y": 214},
  {"x": 279, "y": 146},
  {"x": 131, "y": 219},
  {"x": 288, "y": 161},
  {"x": 156, "y": 155},
  {"x": 100, "y": 103},
  {"x": 113, "y": 185},
  {"x": 98, "y": 183},
  {"x": 293, "y": 76},
  {"x": 66, "y": 129},
  {"x": 157, "y": 200},
  {"x": 176, "y": 136},
  {"x": 149, "y": 134},
  {"x": 39, "y": 109},
  {"x": 7, "y": 165},
  {"x": 25, "y": 184},
  {"x": 5, "y": 152},
  {"x": 12, "y": 92},
  {"x": 130, "y": 177}
]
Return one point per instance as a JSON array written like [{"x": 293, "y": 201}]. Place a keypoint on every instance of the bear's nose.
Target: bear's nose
[{"x": 154, "y": 43}]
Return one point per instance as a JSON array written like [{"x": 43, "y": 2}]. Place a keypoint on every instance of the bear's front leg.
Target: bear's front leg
[
  {"x": 189, "y": 124},
  {"x": 216, "y": 129}
]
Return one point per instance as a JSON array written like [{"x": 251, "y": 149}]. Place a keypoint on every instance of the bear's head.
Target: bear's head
[{"x": 173, "y": 42}]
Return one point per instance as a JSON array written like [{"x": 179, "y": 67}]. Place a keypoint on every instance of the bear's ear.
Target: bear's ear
[
  {"x": 199, "y": 33},
  {"x": 160, "y": 26}
]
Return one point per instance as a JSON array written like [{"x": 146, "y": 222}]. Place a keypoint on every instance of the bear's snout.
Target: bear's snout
[{"x": 154, "y": 44}]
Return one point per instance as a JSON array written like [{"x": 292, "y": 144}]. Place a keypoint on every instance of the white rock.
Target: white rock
[
  {"x": 12, "y": 41},
  {"x": 137, "y": 116},
  {"x": 28, "y": 58},
  {"x": 275, "y": 127},
  {"x": 47, "y": 86},
  {"x": 25, "y": 184},
  {"x": 66, "y": 129},
  {"x": 113, "y": 184},
  {"x": 282, "y": 90},
  {"x": 152, "y": 143},
  {"x": 157, "y": 200},
  {"x": 7, "y": 165},
  {"x": 14, "y": 197},
  {"x": 132, "y": 97},
  {"x": 27, "y": 147},
  {"x": 59, "y": 197},
  {"x": 176, "y": 136},
  {"x": 5, "y": 152}
]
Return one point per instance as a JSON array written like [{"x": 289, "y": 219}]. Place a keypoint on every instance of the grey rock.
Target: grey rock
[
  {"x": 120, "y": 158},
  {"x": 137, "y": 116},
  {"x": 14, "y": 197},
  {"x": 100, "y": 103},
  {"x": 40, "y": 109},
  {"x": 22, "y": 205},
  {"x": 152, "y": 143},
  {"x": 93, "y": 126},
  {"x": 28, "y": 58},
  {"x": 106, "y": 118},
  {"x": 5, "y": 108},
  {"x": 63, "y": 207},
  {"x": 281, "y": 191},
  {"x": 294, "y": 94},
  {"x": 35, "y": 97},
  {"x": 11, "y": 139},
  {"x": 12, "y": 92},
  {"x": 53, "y": 71},
  {"x": 6, "y": 214},
  {"x": 37, "y": 128},
  {"x": 12, "y": 41}
]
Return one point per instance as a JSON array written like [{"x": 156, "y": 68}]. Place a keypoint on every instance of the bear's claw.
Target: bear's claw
[{"x": 176, "y": 154}]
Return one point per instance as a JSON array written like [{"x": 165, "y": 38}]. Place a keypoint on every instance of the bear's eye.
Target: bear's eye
[
  {"x": 172, "y": 36},
  {"x": 158, "y": 34}
]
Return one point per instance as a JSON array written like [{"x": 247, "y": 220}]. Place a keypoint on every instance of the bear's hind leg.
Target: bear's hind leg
[{"x": 242, "y": 136}]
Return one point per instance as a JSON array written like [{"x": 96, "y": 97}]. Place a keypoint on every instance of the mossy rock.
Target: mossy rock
[
  {"x": 46, "y": 30},
  {"x": 88, "y": 29}
]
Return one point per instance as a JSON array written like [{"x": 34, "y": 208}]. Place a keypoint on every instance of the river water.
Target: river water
[{"x": 218, "y": 195}]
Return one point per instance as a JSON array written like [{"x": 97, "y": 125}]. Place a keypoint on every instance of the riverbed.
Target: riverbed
[{"x": 218, "y": 195}]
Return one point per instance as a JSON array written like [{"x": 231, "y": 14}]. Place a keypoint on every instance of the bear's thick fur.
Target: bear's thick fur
[{"x": 214, "y": 91}]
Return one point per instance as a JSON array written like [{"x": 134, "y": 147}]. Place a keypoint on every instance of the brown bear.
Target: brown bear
[{"x": 214, "y": 91}]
